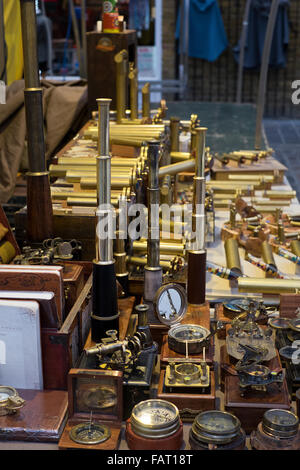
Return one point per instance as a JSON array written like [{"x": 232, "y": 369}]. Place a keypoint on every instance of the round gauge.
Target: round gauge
[
  {"x": 294, "y": 324},
  {"x": 10, "y": 401},
  {"x": 188, "y": 338},
  {"x": 155, "y": 419},
  {"x": 215, "y": 426},
  {"x": 279, "y": 323},
  {"x": 99, "y": 397},
  {"x": 89, "y": 433},
  {"x": 6, "y": 393},
  {"x": 288, "y": 351},
  {"x": 170, "y": 303},
  {"x": 280, "y": 423}
]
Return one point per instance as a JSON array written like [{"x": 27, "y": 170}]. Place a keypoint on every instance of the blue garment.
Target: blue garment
[
  {"x": 207, "y": 36},
  {"x": 257, "y": 26}
]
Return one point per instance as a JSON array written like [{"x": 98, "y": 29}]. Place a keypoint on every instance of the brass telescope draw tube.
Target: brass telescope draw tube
[
  {"x": 233, "y": 261},
  {"x": 105, "y": 315},
  {"x": 152, "y": 271},
  {"x": 121, "y": 60},
  {"x": 268, "y": 285},
  {"x": 196, "y": 255}
]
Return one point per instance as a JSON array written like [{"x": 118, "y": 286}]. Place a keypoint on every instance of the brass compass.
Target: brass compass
[{"x": 10, "y": 401}]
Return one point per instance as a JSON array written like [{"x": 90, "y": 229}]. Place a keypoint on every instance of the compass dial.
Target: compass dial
[
  {"x": 280, "y": 423},
  {"x": 215, "y": 427},
  {"x": 155, "y": 418},
  {"x": 89, "y": 433}
]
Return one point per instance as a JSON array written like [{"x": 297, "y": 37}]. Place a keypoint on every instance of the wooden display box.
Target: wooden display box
[
  {"x": 289, "y": 305},
  {"x": 250, "y": 408},
  {"x": 85, "y": 383},
  {"x": 101, "y": 67},
  {"x": 227, "y": 364},
  {"x": 189, "y": 404},
  {"x": 265, "y": 166},
  {"x": 41, "y": 419},
  {"x": 167, "y": 355}
]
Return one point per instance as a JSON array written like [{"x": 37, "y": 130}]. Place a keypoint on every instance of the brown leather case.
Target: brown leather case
[
  {"x": 261, "y": 441},
  {"x": 136, "y": 442},
  {"x": 41, "y": 419}
]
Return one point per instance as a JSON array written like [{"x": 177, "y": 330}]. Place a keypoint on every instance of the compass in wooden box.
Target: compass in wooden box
[{"x": 95, "y": 410}]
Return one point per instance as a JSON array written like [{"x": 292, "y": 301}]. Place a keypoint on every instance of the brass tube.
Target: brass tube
[
  {"x": 74, "y": 162},
  {"x": 175, "y": 168},
  {"x": 88, "y": 202},
  {"x": 81, "y": 172},
  {"x": 116, "y": 183},
  {"x": 121, "y": 60},
  {"x": 174, "y": 134},
  {"x": 272, "y": 194},
  {"x": 295, "y": 247},
  {"x": 267, "y": 254},
  {"x": 268, "y": 285},
  {"x": 180, "y": 156},
  {"x": 233, "y": 261},
  {"x": 146, "y": 101},
  {"x": 133, "y": 73},
  {"x": 165, "y": 247},
  {"x": 138, "y": 261}
]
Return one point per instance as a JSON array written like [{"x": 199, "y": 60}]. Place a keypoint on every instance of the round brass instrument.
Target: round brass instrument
[
  {"x": 155, "y": 419},
  {"x": 10, "y": 401},
  {"x": 281, "y": 424},
  {"x": 215, "y": 427},
  {"x": 89, "y": 433}
]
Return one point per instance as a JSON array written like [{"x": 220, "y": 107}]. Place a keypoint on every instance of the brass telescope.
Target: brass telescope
[
  {"x": 39, "y": 206},
  {"x": 105, "y": 315},
  {"x": 196, "y": 254}
]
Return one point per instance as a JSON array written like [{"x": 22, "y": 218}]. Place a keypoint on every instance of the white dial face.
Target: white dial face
[
  {"x": 170, "y": 303},
  {"x": 4, "y": 396}
]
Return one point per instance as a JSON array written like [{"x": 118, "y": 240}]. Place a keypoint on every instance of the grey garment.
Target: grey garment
[
  {"x": 64, "y": 108},
  {"x": 257, "y": 26}
]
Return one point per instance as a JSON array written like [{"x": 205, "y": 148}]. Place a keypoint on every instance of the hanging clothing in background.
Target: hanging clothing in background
[
  {"x": 139, "y": 15},
  {"x": 13, "y": 40},
  {"x": 257, "y": 26},
  {"x": 207, "y": 36}
]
